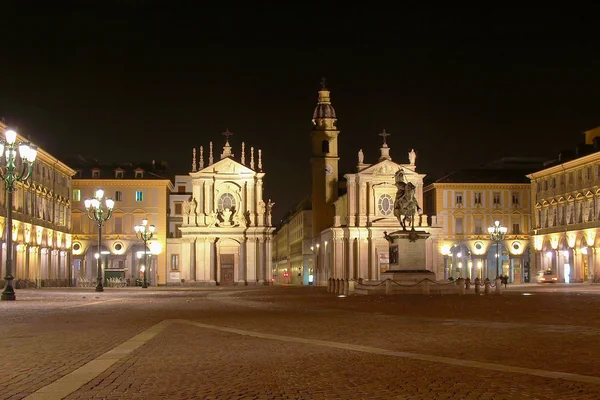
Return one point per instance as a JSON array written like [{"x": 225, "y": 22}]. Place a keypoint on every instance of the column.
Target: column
[
  {"x": 242, "y": 264},
  {"x": 260, "y": 270},
  {"x": 260, "y": 217},
  {"x": 363, "y": 258},
  {"x": 206, "y": 188},
  {"x": 186, "y": 267},
  {"x": 192, "y": 276},
  {"x": 251, "y": 261},
  {"x": 251, "y": 202},
  {"x": 339, "y": 261},
  {"x": 269, "y": 263},
  {"x": 351, "y": 201},
  {"x": 213, "y": 260},
  {"x": 350, "y": 272},
  {"x": 370, "y": 202},
  {"x": 361, "y": 219}
]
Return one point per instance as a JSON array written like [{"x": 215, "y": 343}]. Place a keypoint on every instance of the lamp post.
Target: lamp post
[
  {"x": 497, "y": 234},
  {"x": 9, "y": 174},
  {"x": 96, "y": 213},
  {"x": 144, "y": 233}
]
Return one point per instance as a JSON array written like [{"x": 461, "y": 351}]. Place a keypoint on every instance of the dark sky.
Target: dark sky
[{"x": 142, "y": 80}]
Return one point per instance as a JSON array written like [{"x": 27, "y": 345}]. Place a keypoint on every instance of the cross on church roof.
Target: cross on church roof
[
  {"x": 227, "y": 134},
  {"x": 323, "y": 82},
  {"x": 384, "y": 134}
]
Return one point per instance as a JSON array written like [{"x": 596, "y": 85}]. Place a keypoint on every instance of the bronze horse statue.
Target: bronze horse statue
[{"x": 405, "y": 205}]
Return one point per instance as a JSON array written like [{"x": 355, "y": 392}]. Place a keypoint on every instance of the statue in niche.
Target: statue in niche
[
  {"x": 405, "y": 204},
  {"x": 186, "y": 207},
  {"x": 361, "y": 156},
  {"x": 193, "y": 206},
  {"x": 226, "y": 215},
  {"x": 412, "y": 157},
  {"x": 212, "y": 219},
  {"x": 262, "y": 207}
]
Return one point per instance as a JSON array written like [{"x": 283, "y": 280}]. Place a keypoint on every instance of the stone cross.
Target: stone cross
[
  {"x": 384, "y": 134},
  {"x": 227, "y": 134}
]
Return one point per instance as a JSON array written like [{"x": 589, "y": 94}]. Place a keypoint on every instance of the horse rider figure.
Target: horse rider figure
[{"x": 405, "y": 205}]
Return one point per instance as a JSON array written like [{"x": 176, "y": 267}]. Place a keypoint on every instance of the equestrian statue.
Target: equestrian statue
[{"x": 405, "y": 205}]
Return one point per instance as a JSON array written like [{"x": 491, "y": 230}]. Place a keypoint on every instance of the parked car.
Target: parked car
[{"x": 547, "y": 276}]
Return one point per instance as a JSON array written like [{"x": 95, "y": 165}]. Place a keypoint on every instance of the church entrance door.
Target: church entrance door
[{"x": 227, "y": 262}]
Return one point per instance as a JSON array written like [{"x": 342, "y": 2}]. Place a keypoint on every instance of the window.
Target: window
[
  {"x": 139, "y": 195},
  {"x": 139, "y": 174},
  {"x": 95, "y": 173},
  {"x": 385, "y": 204},
  {"x": 226, "y": 201},
  {"x": 181, "y": 189},
  {"x": 516, "y": 228},
  {"x": 497, "y": 197},
  {"x": 589, "y": 173},
  {"x": 459, "y": 225},
  {"x": 118, "y": 196},
  {"x": 325, "y": 146},
  {"x": 174, "y": 262},
  {"x": 553, "y": 183},
  {"x": 119, "y": 174},
  {"x": 118, "y": 225},
  {"x": 459, "y": 197},
  {"x": 477, "y": 198},
  {"x": 515, "y": 198},
  {"x": 178, "y": 205},
  {"x": 76, "y": 195},
  {"x": 478, "y": 226},
  {"x": 546, "y": 184}
]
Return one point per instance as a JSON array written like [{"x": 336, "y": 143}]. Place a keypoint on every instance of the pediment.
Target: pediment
[
  {"x": 385, "y": 167},
  {"x": 589, "y": 194},
  {"x": 226, "y": 166}
]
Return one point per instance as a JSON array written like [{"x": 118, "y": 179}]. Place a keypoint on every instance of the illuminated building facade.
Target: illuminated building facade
[
  {"x": 226, "y": 230},
  {"x": 292, "y": 252},
  {"x": 467, "y": 203},
  {"x": 566, "y": 201},
  {"x": 139, "y": 192},
  {"x": 41, "y": 224}
]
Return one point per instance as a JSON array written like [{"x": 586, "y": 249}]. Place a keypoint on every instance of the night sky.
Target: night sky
[{"x": 142, "y": 80}]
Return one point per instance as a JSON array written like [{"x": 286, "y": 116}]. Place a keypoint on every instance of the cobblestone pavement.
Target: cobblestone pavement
[{"x": 301, "y": 343}]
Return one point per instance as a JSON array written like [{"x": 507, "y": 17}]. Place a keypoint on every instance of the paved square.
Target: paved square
[{"x": 300, "y": 343}]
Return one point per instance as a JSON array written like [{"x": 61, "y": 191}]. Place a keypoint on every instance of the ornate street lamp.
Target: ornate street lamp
[
  {"x": 9, "y": 174},
  {"x": 497, "y": 234},
  {"x": 96, "y": 213},
  {"x": 144, "y": 233}
]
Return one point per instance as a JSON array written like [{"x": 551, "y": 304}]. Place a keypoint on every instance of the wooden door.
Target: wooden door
[{"x": 227, "y": 265}]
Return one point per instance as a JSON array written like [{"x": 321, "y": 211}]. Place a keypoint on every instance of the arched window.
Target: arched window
[
  {"x": 325, "y": 146},
  {"x": 226, "y": 201}
]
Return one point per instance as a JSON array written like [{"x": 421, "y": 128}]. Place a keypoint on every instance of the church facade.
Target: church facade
[
  {"x": 226, "y": 230},
  {"x": 349, "y": 230}
]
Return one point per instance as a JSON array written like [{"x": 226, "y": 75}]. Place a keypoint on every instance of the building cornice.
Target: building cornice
[
  {"x": 123, "y": 182},
  {"x": 562, "y": 167}
]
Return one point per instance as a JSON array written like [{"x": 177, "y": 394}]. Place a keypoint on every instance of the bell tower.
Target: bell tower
[{"x": 324, "y": 162}]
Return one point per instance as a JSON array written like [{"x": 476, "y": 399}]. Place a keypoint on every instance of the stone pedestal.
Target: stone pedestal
[{"x": 407, "y": 256}]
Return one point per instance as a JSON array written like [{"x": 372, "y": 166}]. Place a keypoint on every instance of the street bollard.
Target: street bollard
[
  {"x": 460, "y": 283},
  {"x": 468, "y": 283},
  {"x": 498, "y": 285},
  {"x": 486, "y": 288},
  {"x": 336, "y": 286},
  {"x": 426, "y": 289},
  {"x": 329, "y": 285},
  {"x": 351, "y": 287},
  {"x": 477, "y": 286},
  {"x": 388, "y": 287}
]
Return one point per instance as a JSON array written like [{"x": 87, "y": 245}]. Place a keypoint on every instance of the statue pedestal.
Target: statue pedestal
[{"x": 407, "y": 256}]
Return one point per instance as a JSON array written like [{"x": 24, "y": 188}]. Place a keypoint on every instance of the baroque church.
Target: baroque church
[
  {"x": 349, "y": 229},
  {"x": 226, "y": 228}
]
